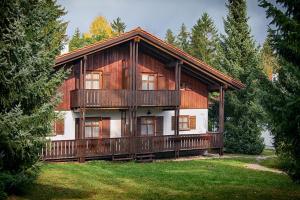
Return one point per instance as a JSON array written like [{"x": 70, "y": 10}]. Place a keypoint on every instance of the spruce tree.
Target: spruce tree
[
  {"x": 118, "y": 26},
  {"x": 31, "y": 35},
  {"x": 183, "y": 38},
  {"x": 205, "y": 40},
  {"x": 170, "y": 37},
  {"x": 240, "y": 58},
  {"x": 283, "y": 95},
  {"x": 77, "y": 41}
]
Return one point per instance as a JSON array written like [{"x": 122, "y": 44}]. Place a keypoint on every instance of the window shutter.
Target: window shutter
[
  {"x": 59, "y": 127},
  {"x": 192, "y": 122},
  {"x": 106, "y": 128},
  {"x": 173, "y": 123},
  {"x": 106, "y": 81},
  {"x": 159, "y": 125}
]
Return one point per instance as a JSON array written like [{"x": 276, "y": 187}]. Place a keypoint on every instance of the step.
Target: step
[{"x": 145, "y": 156}]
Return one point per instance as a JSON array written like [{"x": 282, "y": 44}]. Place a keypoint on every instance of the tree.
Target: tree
[
  {"x": 283, "y": 95},
  {"x": 243, "y": 111},
  {"x": 77, "y": 41},
  {"x": 100, "y": 26},
  {"x": 269, "y": 58},
  {"x": 205, "y": 40},
  {"x": 183, "y": 38},
  {"x": 118, "y": 26},
  {"x": 31, "y": 35},
  {"x": 170, "y": 37}
]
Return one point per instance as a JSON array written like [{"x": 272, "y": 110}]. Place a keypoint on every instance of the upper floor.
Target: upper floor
[{"x": 137, "y": 69}]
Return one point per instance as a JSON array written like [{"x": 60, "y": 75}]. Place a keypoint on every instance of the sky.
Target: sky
[{"x": 156, "y": 16}]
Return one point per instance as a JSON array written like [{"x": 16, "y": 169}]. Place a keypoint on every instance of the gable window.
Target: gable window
[
  {"x": 147, "y": 126},
  {"x": 93, "y": 80},
  {"x": 148, "y": 81},
  {"x": 92, "y": 128},
  {"x": 185, "y": 86},
  {"x": 186, "y": 122}
]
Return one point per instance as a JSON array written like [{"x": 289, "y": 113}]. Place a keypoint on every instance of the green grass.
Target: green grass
[{"x": 198, "y": 179}]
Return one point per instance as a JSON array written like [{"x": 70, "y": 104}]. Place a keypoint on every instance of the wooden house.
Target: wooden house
[{"x": 134, "y": 96}]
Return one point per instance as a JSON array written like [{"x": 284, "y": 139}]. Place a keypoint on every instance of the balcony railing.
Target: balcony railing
[
  {"x": 89, "y": 148},
  {"x": 94, "y": 98}
]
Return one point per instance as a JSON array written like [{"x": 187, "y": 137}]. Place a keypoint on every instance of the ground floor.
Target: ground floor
[{"x": 106, "y": 133}]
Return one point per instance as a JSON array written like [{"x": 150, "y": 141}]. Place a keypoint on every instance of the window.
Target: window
[
  {"x": 186, "y": 122},
  {"x": 148, "y": 81},
  {"x": 92, "y": 128},
  {"x": 92, "y": 80},
  {"x": 147, "y": 126},
  {"x": 185, "y": 86},
  {"x": 183, "y": 122}
]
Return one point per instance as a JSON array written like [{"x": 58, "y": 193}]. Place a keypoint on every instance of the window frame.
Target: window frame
[
  {"x": 147, "y": 119},
  {"x": 186, "y": 122},
  {"x": 100, "y": 80},
  {"x": 154, "y": 81},
  {"x": 95, "y": 122}
]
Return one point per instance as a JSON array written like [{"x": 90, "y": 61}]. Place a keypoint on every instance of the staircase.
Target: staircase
[
  {"x": 144, "y": 158},
  {"x": 123, "y": 158}
]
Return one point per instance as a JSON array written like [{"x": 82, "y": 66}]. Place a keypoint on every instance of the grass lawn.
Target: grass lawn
[{"x": 197, "y": 179}]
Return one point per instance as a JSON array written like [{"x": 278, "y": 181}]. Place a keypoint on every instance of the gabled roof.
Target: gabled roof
[{"x": 143, "y": 35}]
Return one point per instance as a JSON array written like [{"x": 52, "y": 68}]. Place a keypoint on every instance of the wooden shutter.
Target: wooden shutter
[
  {"x": 105, "y": 127},
  {"x": 106, "y": 81},
  {"x": 192, "y": 122},
  {"x": 173, "y": 122},
  {"x": 159, "y": 125},
  {"x": 77, "y": 128},
  {"x": 59, "y": 127}
]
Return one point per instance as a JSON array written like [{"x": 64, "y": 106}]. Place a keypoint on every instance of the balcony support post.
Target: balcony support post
[
  {"x": 221, "y": 118},
  {"x": 177, "y": 108}
]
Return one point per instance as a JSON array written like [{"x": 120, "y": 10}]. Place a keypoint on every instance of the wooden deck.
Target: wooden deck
[{"x": 96, "y": 148}]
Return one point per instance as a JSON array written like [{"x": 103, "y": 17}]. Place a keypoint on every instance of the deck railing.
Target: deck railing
[
  {"x": 89, "y": 148},
  {"x": 121, "y": 98}
]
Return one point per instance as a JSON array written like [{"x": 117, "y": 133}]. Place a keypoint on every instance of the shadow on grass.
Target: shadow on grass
[{"x": 44, "y": 191}]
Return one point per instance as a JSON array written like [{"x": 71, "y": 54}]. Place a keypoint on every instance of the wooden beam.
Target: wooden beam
[{"x": 221, "y": 117}]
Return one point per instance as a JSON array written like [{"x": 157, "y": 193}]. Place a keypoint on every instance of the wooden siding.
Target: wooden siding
[
  {"x": 196, "y": 94},
  {"x": 113, "y": 63}
]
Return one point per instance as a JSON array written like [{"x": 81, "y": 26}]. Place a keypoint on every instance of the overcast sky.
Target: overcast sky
[{"x": 156, "y": 16}]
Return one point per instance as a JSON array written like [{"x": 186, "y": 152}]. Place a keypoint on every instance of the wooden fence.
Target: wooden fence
[{"x": 89, "y": 148}]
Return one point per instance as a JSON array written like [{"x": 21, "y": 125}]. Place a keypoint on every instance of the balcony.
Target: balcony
[{"x": 123, "y": 98}]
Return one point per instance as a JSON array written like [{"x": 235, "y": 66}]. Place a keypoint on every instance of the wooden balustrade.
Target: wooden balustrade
[
  {"x": 89, "y": 148},
  {"x": 120, "y": 98}
]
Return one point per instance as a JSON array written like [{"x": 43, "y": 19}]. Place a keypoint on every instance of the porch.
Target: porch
[{"x": 81, "y": 149}]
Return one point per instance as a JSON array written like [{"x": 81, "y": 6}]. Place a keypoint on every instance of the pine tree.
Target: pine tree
[
  {"x": 205, "y": 40},
  {"x": 77, "y": 41},
  {"x": 31, "y": 35},
  {"x": 283, "y": 95},
  {"x": 118, "y": 26},
  {"x": 243, "y": 112},
  {"x": 170, "y": 37},
  {"x": 183, "y": 38}
]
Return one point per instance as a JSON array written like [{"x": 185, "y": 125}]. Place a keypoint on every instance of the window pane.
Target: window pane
[
  {"x": 151, "y": 78},
  {"x": 88, "y": 85},
  {"x": 88, "y": 132},
  {"x": 95, "y": 131},
  {"x": 150, "y": 129},
  {"x": 144, "y": 77},
  {"x": 144, "y": 86},
  {"x": 95, "y": 85},
  {"x": 151, "y": 86},
  {"x": 185, "y": 126},
  {"x": 88, "y": 76},
  {"x": 88, "y": 123},
  {"x": 96, "y": 76},
  {"x": 143, "y": 130}
]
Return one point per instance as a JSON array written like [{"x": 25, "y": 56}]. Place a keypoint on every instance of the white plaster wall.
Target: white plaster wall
[
  {"x": 201, "y": 119},
  {"x": 69, "y": 126},
  {"x": 115, "y": 123}
]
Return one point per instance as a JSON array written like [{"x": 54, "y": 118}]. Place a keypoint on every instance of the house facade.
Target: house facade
[{"x": 135, "y": 95}]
